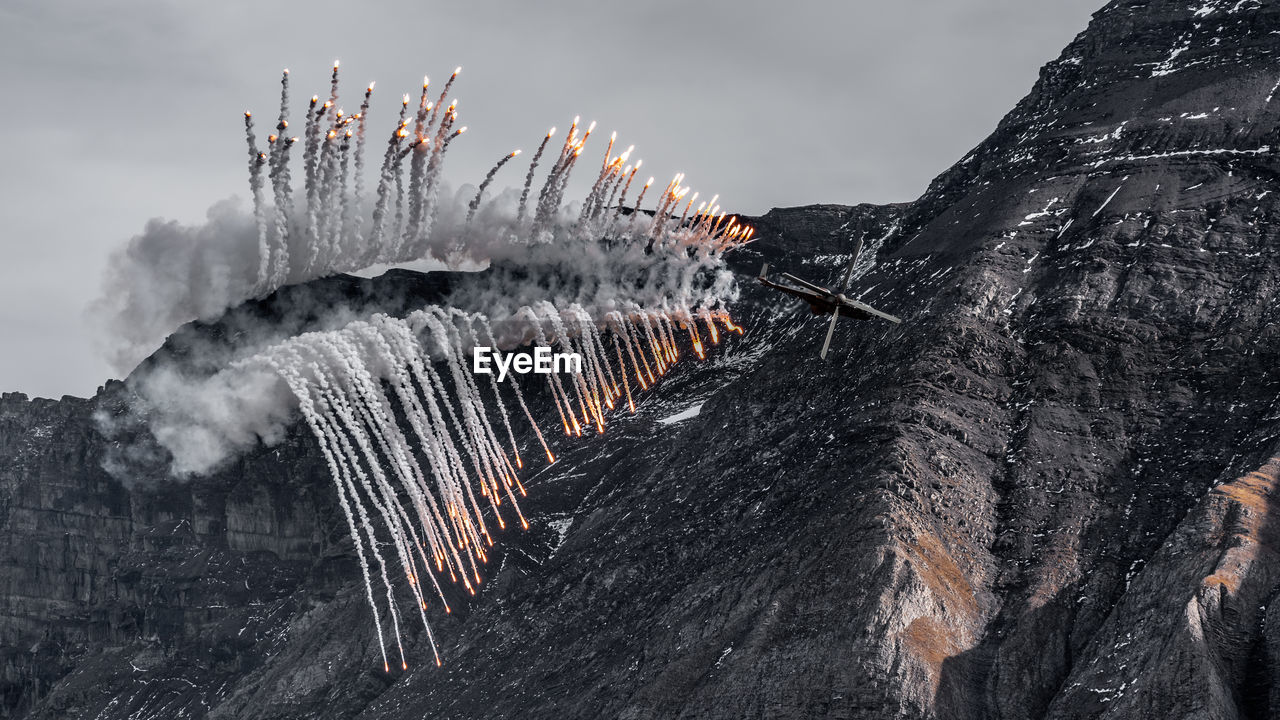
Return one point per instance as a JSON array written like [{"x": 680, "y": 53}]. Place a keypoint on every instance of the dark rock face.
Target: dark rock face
[{"x": 1048, "y": 494}]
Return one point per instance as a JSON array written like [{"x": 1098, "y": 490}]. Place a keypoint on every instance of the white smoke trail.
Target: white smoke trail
[
  {"x": 256, "y": 160},
  {"x": 484, "y": 185},
  {"x": 528, "y": 179}
]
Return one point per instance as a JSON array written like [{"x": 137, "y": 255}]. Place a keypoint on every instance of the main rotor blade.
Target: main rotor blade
[
  {"x": 807, "y": 284},
  {"x": 835, "y": 315},
  {"x": 868, "y": 309},
  {"x": 848, "y": 273}
]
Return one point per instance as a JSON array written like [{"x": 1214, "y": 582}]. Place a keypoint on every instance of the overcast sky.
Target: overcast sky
[{"x": 123, "y": 111}]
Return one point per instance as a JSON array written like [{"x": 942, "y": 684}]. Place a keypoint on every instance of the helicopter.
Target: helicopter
[{"x": 823, "y": 301}]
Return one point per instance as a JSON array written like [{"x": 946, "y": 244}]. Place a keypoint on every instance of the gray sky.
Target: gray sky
[{"x": 124, "y": 111}]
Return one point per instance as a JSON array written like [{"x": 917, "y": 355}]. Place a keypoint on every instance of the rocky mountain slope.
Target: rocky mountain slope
[{"x": 1047, "y": 494}]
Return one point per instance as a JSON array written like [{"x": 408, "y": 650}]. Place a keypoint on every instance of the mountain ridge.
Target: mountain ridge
[{"x": 1047, "y": 494}]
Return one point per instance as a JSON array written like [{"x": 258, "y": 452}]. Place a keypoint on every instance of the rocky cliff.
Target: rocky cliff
[{"x": 1047, "y": 494}]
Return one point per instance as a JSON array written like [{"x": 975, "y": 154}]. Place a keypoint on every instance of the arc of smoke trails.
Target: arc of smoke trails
[
  {"x": 434, "y": 518},
  {"x": 442, "y": 529},
  {"x": 332, "y": 232}
]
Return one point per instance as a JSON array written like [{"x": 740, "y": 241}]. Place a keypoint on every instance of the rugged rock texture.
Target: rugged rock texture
[{"x": 1047, "y": 494}]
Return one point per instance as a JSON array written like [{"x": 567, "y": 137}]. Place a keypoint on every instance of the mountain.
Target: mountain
[{"x": 1047, "y": 494}]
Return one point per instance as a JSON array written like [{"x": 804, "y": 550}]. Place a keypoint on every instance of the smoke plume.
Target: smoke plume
[{"x": 420, "y": 452}]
